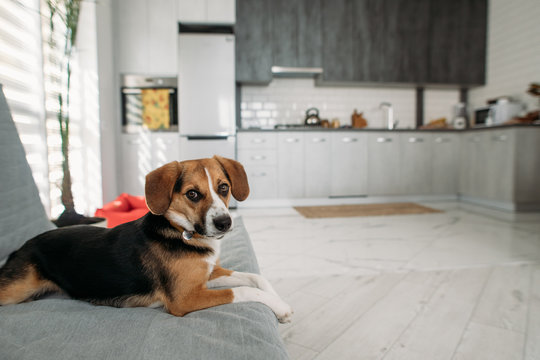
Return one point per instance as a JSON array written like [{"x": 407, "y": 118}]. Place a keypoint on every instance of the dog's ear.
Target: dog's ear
[
  {"x": 159, "y": 187},
  {"x": 237, "y": 175}
]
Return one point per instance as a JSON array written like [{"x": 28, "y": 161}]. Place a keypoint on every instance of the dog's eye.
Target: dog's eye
[
  {"x": 193, "y": 195},
  {"x": 223, "y": 189}
]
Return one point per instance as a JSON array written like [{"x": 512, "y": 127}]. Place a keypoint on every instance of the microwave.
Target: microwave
[{"x": 497, "y": 114}]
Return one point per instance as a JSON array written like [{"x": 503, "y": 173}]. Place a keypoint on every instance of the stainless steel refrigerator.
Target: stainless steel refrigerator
[{"x": 206, "y": 93}]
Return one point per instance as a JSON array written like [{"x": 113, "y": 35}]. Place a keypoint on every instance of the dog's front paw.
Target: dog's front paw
[{"x": 284, "y": 313}]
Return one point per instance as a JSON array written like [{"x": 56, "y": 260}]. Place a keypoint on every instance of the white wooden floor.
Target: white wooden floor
[{"x": 452, "y": 285}]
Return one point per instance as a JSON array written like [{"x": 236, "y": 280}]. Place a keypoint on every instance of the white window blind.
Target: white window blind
[{"x": 22, "y": 77}]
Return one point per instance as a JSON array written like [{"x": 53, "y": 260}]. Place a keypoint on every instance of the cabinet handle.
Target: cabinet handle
[
  {"x": 415, "y": 140},
  {"x": 258, "y": 141},
  {"x": 500, "y": 138},
  {"x": 292, "y": 140},
  {"x": 383, "y": 140},
  {"x": 318, "y": 140},
  {"x": 442, "y": 140},
  {"x": 349, "y": 140},
  {"x": 258, "y": 157}
]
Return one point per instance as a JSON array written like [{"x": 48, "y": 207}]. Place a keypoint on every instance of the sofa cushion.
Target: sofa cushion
[{"x": 22, "y": 215}]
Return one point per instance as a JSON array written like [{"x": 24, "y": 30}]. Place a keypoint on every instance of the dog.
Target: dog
[{"x": 169, "y": 257}]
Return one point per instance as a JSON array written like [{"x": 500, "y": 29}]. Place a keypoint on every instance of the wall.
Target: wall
[
  {"x": 513, "y": 52},
  {"x": 285, "y": 101}
]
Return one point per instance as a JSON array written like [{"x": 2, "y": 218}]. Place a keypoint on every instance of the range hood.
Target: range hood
[{"x": 296, "y": 72}]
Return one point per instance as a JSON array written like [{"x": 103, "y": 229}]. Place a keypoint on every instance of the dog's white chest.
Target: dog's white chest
[{"x": 212, "y": 259}]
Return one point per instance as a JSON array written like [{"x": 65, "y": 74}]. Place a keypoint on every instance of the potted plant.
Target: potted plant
[{"x": 68, "y": 12}]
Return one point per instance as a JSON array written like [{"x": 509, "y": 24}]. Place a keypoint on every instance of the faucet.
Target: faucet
[{"x": 390, "y": 123}]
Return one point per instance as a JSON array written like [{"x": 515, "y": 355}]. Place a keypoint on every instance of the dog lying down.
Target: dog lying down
[{"x": 168, "y": 257}]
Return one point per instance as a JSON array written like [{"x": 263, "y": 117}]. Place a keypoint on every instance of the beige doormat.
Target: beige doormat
[{"x": 316, "y": 212}]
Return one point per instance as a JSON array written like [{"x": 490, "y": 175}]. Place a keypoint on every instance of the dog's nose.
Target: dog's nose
[{"x": 223, "y": 222}]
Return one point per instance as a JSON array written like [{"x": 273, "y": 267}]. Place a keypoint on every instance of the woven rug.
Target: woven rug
[{"x": 316, "y": 212}]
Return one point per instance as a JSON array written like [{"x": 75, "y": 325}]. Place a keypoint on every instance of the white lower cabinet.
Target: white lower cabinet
[
  {"x": 444, "y": 163},
  {"x": 142, "y": 153},
  {"x": 415, "y": 173},
  {"x": 348, "y": 160},
  {"x": 383, "y": 163},
  {"x": 257, "y": 152},
  {"x": 290, "y": 150},
  {"x": 317, "y": 162}
]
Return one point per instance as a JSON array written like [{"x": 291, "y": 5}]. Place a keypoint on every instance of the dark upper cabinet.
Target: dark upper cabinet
[
  {"x": 337, "y": 40},
  {"x": 296, "y": 33},
  {"x": 457, "y": 42},
  {"x": 370, "y": 41},
  {"x": 389, "y": 40},
  {"x": 253, "y": 41}
]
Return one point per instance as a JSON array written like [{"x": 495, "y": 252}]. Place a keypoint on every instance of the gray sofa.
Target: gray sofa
[{"x": 61, "y": 328}]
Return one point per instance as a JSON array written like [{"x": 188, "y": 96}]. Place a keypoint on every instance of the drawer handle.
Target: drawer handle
[
  {"x": 442, "y": 140},
  {"x": 349, "y": 140},
  {"x": 292, "y": 140},
  {"x": 318, "y": 140},
  {"x": 258, "y": 141},
  {"x": 500, "y": 138},
  {"x": 258, "y": 157},
  {"x": 383, "y": 140},
  {"x": 415, "y": 140}
]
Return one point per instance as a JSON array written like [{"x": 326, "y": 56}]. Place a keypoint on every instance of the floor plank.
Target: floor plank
[
  {"x": 330, "y": 320},
  {"x": 482, "y": 342},
  {"x": 436, "y": 331},
  {"x": 532, "y": 347},
  {"x": 373, "y": 333},
  {"x": 505, "y": 299}
]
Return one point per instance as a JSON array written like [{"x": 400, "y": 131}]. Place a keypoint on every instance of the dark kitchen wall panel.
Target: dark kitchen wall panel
[{"x": 253, "y": 41}]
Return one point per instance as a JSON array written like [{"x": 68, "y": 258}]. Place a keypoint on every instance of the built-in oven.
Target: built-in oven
[{"x": 149, "y": 103}]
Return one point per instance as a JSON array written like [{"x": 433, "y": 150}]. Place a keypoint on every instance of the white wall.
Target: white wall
[
  {"x": 513, "y": 52},
  {"x": 285, "y": 101}
]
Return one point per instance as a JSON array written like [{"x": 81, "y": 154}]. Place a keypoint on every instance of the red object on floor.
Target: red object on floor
[{"x": 124, "y": 208}]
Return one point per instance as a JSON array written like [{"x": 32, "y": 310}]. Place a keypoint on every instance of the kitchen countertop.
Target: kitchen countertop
[{"x": 313, "y": 128}]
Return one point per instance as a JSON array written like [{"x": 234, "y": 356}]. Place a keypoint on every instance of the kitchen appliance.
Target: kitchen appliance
[
  {"x": 149, "y": 102},
  {"x": 206, "y": 71},
  {"x": 497, "y": 113},
  {"x": 312, "y": 117}
]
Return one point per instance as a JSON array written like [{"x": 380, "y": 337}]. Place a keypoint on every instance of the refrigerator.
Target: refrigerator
[{"x": 206, "y": 94}]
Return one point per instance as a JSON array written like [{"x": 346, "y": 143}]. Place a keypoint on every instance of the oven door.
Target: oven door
[{"x": 154, "y": 109}]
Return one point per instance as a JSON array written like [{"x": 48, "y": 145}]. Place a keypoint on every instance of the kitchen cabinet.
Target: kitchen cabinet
[
  {"x": 206, "y": 11},
  {"x": 138, "y": 23},
  {"x": 473, "y": 161},
  {"x": 348, "y": 165},
  {"x": 142, "y": 153},
  {"x": 457, "y": 42},
  {"x": 257, "y": 152},
  {"x": 317, "y": 156},
  {"x": 383, "y": 163},
  {"x": 390, "y": 40},
  {"x": 253, "y": 42},
  {"x": 296, "y": 35},
  {"x": 444, "y": 163},
  {"x": 291, "y": 179},
  {"x": 415, "y": 170},
  {"x": 337, "y": 41}
]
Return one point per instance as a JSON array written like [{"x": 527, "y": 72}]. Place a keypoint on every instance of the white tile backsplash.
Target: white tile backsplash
[{"x": 290, "y": 98}]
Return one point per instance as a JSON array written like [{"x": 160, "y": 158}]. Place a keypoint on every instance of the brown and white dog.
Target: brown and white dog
[{"x": 170, "y": 256}]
